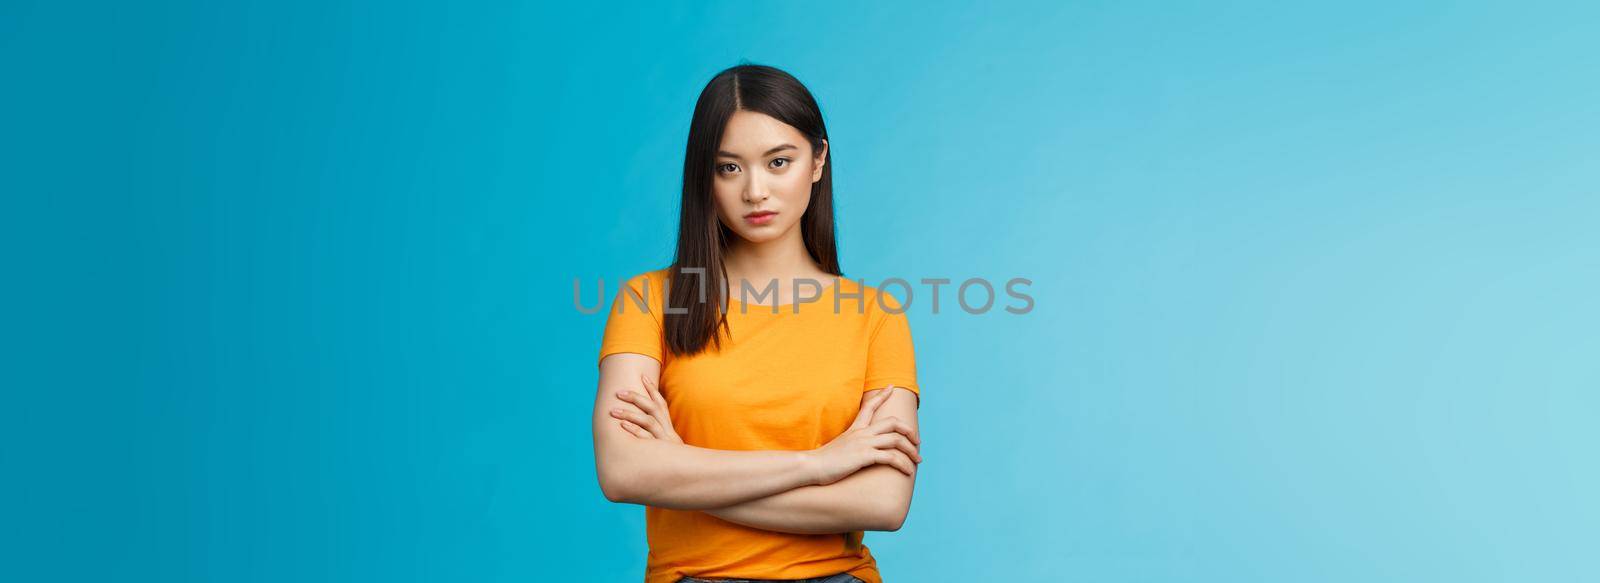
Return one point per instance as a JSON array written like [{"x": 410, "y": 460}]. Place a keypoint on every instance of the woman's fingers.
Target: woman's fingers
[
  {"x": 878, "y": 400},
  {"x": 644, "y": 403},
  {"x": 645, "y": 421},
  {"x": 897, "y": 459},
  {"x": 888, "y": 424},
  {"x": 865, "y": 414},
  {"x": 654, "y": 390},
  {"x": 636, "y": 430},
  {"x": 870, "y": 407},
  {"x": 898, "y": 442}
]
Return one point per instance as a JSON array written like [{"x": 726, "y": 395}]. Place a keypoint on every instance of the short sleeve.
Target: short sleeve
[
  {"x": 634, "y": 322},
  {"x": 891, "y": 359}
]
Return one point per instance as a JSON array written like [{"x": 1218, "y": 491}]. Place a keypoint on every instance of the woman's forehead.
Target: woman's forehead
[{"x": 754, "y": 133}]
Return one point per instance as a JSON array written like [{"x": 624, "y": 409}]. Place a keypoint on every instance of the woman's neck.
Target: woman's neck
[{"x": 782, "y": 259}]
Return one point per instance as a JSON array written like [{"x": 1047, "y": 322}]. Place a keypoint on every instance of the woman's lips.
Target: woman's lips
[{"x": 760, "y": 217}]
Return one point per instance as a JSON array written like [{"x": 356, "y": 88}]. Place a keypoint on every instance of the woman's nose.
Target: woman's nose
[{"x": 755, "y": 191}]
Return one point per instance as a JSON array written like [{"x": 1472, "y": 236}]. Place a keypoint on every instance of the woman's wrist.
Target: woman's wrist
[{"x": 808, "y": 467}]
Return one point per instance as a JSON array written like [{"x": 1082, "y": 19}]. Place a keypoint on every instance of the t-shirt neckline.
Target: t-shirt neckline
[{"x": 836, "y": 282}]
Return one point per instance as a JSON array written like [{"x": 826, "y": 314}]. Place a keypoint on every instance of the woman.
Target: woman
[{"x": 761, "y": 407}]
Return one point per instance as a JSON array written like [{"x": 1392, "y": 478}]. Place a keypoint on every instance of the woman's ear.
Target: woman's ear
[{"x": 818, "y": 162}]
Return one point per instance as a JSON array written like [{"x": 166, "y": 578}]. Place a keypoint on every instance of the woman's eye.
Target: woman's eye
[
  {"x": 780, "y": 162},
  {"x": 728, "y": 168}
]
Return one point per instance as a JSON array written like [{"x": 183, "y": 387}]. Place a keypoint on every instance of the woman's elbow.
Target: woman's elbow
[
  {"x": 611, "y": 489},
  {"x": 616, "y": 468},
  {"x": 614, "y": 487},
  {"x": 892, "y": 516},
  {"x": 616, "y": 474}
]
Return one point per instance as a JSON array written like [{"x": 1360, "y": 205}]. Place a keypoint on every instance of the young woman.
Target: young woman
[{"x": 761, "y": 407}]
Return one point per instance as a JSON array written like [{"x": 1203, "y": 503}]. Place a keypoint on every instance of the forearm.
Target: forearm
[
  {"x": 877, "y": 497},
  {"x": 685, "y": 477},
  {"x": 866, "y": 500}
]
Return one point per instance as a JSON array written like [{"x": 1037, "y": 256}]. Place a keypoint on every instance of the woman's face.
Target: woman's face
[{"x": 762, "y": 182}]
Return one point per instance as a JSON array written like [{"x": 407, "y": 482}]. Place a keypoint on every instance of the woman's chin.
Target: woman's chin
[{"x": 759, "y": 235}]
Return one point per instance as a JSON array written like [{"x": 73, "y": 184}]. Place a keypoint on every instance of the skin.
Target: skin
[
  {"x": 861, "y": 480},
  {"x": 765, "y": 164}
]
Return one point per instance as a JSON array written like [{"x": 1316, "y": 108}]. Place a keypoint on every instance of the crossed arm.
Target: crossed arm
[{"x": 772, "y": 490}]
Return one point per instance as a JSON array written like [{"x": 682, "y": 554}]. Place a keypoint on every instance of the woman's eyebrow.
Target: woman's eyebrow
[{"x": 774, "y": 150}]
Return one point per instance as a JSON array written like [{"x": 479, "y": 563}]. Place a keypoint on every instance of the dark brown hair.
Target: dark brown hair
[{"x": 702, "y": 238}]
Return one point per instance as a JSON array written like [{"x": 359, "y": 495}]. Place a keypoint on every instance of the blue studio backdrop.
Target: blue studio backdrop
[{"x": 289, "y": 285}]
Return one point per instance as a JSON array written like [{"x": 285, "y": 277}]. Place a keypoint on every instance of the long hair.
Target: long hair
[{"x": 697, "y": 300}]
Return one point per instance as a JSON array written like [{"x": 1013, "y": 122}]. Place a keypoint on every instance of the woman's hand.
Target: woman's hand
[
  {"x": 885, "y": 441},
  {"x": 650, "y": 420}
]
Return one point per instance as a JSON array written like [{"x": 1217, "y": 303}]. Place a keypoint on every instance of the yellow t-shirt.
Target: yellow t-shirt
[{"x": 786, "y": 381}]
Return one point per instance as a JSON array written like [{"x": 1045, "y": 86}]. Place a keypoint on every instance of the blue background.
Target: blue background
[{"x": 288, "y": 289}]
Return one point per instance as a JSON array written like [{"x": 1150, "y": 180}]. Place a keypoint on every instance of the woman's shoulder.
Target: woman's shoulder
[
  {"x": 653, "y": 279},
  {"x": 878, "y": 301},
  {"x": 645, "y": 289}
]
